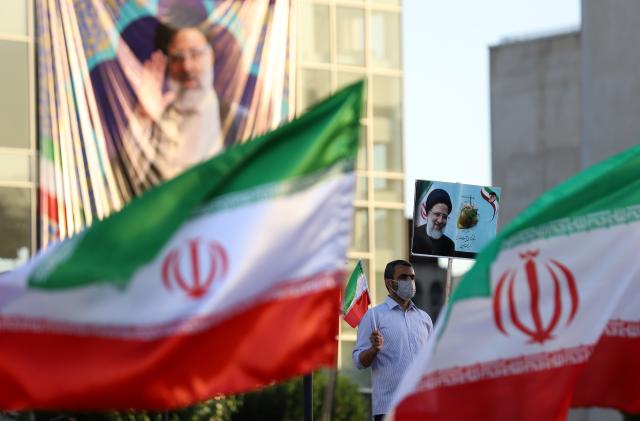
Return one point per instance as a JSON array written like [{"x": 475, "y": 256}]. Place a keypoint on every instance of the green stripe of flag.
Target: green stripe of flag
[
  {"x": 114, "y": 248},
  {"x": 609, "y": 190}
]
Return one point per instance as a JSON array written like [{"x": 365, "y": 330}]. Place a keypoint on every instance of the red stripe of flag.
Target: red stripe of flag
[{"x": 270, "y": 342}]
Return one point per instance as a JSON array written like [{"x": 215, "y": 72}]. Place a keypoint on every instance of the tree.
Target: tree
[{"x": 284, "y": 401}]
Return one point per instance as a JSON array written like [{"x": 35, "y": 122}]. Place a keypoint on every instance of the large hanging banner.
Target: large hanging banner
[{"x": 133, "y": 92}]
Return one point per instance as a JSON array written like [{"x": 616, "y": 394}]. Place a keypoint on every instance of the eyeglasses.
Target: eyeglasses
[
  {"x": 181, "y": 56},
  {"x": 442, "y": 215}
]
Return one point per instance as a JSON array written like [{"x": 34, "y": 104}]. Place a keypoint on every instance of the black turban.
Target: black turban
[{"x": 437, "y": 196}]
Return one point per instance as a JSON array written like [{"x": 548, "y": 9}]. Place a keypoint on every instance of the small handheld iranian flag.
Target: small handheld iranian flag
[
  {"x": 166, "y": 302},
  {"x": 548, "y": 318},
  {"x": 356, "y": 297}
]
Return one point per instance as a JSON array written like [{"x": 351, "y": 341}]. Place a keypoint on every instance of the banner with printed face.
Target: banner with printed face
[
  {"x": 133, "y": 92},
  {"x": 453, "y": 219}
]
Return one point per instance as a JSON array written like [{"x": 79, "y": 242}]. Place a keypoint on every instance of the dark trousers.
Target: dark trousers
[{"x": 378, "y": 417}]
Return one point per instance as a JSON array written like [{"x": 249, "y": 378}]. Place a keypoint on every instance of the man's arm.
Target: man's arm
[
  {"x": 364, "y": 353},
  {"x": 368, "y": 355}
]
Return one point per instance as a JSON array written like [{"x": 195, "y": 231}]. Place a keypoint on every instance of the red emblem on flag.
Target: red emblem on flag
[
  {"x": 423, "y": 210},
  {"x": 206, "y": 261},
  {"x": 557, "y": 278}
]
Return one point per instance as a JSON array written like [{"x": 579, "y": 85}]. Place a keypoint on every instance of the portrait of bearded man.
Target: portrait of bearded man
[
  {"x": 430, "y": 238},
  {"x": 176, "y": 124}
]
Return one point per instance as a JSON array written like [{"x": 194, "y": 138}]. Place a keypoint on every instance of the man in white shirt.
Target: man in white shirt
[{"x": 390, "y": 335}]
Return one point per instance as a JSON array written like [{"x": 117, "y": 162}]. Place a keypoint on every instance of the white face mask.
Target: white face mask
[{"x": 406, "y": 289}]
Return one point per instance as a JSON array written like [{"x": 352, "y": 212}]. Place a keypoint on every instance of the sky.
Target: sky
[{"x": 446, "y": 80}]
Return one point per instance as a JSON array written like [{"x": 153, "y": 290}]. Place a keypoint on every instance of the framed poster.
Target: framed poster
[{"x": 452, "y": 219}]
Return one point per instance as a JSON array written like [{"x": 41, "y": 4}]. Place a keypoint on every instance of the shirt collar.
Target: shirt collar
[{"x": 391, "y": 303}]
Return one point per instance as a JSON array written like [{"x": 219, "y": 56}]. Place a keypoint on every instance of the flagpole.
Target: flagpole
[
  {"x": 373, "y": 317},
  {"x": 326, "y": 413},
  {"x": 447, "y": 287}
]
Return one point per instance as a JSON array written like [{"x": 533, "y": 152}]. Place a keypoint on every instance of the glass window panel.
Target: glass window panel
[
  {"x": 14, "y": 85},
  {"x": 15, "y": 167},
  {"x": 361, "y": 188},
  {"x": 15, "y": 222},
  {"x": 385, "y": 190},
  {"x": 350, "y": 36},
  {"x": 315, "y": 85},
  {"x": 13, "y": 17},
  {"x": 360, "y": 237},
  {"x": 314, "y": 33},
  {"x": 390, "y": 244},
  {"x": 346, "y": 78},
  {"x": 393, "y": 2},
  {"x": 360, "y": 377},
  {"x": 381, "y": 289},
  {"x": 385, "y": 40},
  {"x": 387, "y": 123},
  {"x": 391, "y": 233},
  {"x": 361, "y": 162}
]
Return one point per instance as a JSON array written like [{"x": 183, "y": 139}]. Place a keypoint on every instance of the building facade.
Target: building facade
[
  {"x": 340, "y": 42},
  {"x": 560, "y": 103},
  {"x": 535, "y": 124},
  {"x": 17, "y": 139}
]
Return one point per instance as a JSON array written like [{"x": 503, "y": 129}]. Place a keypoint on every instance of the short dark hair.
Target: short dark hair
[{"x": 390, "y": 269}]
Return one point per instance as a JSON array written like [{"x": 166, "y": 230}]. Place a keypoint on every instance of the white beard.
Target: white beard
[
  {"x": 432, "y": 232},
  {"x": 196, "y": 111},
  {"x": 188, "y": 100}
]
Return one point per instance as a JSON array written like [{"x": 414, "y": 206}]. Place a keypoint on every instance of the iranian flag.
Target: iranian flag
[
  {"x": 356, "y": 297},
  {"x": 549, "y": 316},
  {"x": 219, "y": 281}
]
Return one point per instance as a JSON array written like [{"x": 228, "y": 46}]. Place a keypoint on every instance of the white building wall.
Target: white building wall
[{"x": 610, "y": 71}]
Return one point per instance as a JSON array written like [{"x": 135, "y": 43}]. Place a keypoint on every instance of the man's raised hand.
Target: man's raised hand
[{"x": 151, "y": 99}]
